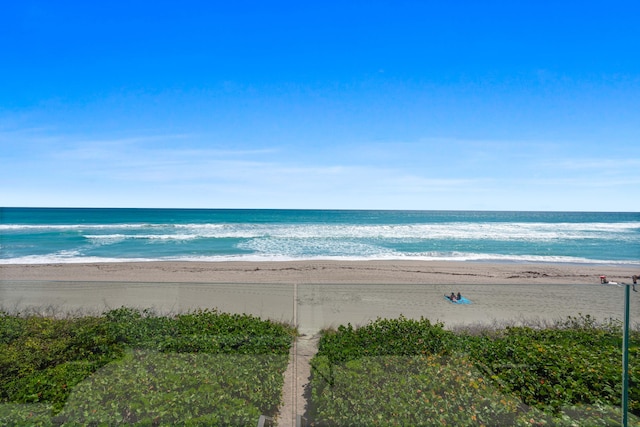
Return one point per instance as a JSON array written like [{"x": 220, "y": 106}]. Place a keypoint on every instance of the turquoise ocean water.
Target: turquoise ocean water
[{"x": 61, "y": 235}]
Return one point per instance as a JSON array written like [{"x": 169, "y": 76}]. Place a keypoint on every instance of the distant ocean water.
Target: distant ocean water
[{"x": 61, "y": 235}]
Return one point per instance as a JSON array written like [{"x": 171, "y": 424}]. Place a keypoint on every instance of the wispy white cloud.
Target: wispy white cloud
[
  {"x": 595, "y": 181},
  {"x": 617, "y": 164},
  {"x": 182, "y": 170}
]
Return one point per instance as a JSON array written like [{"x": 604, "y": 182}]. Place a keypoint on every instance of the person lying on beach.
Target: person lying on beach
[{"x": 457, "y": 299}]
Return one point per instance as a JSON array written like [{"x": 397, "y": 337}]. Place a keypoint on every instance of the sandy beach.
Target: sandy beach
[{"x": 318, "y": 294}]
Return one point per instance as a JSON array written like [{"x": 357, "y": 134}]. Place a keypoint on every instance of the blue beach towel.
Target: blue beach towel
[{"x": 462, "y": 300}]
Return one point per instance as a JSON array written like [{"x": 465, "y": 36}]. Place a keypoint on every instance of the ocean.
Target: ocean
[{"x": 66, "y": 235}]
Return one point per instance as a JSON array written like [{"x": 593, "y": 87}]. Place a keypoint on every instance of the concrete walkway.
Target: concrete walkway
[
  {"x": 296, "y": 379},
  {"x": 298, "y": 373}
]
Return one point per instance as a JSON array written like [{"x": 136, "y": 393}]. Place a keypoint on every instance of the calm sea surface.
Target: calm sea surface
[{"x": 43, "y": 235}]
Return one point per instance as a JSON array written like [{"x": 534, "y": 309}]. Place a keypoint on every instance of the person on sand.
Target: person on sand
[
  {"x": 605, "y": 281},
  {"x": 458, "y": 297},
  {"x": 452, "y": 297},
  {"x": 635, "y": 282}
]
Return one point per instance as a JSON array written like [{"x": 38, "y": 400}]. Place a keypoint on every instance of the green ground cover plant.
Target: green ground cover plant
[
  {"x": 132, "y": 366},
  {"x": 576, "y": 362},
  {"x": 152, "y": 388},
  {"x": 413, "y": 372}
]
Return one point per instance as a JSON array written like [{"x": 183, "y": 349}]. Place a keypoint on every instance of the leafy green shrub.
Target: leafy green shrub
[
  {"x": 33, "y": 358},
  {"x": 52, "y": 384},
  {"x": 393, "y": 337},
  {"x": 32, "y": 415},
  {"x": 571, "y": 371},
  {"x": 421, "y": 390},
  {"x": 42, "y": 360},
  {"x": 11, "y": 328},
  {"x": 554, "y": 368},
  {"x": 151, "y": 388},
  {"x": 200, "y": 331}
]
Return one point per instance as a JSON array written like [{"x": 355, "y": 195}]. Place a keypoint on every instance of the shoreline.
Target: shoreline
[{"x": 322, "y": 271}]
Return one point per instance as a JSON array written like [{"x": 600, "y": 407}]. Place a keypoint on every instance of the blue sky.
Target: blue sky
[{"x": 487, "y": 105}]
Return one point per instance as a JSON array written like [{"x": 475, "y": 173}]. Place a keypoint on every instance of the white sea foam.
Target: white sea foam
[
  {"x": 61, "y": 259},
  {"x": 415, "y": 257},
  {"x": 62, "y": 227},
  {"x": 305, "y": 247},
  {"x": 455, "y": 231},
  {"x": 448, "y": 231},
  {"x": 121, "y": 237},
  {"x": 339, "y": 241}
]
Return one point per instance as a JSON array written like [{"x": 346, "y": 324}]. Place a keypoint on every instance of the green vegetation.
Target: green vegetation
[
  {"x": 209, "y": 368},
  {"x": 130, "y": 366},
  {"x": 413, "y": 372}
]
